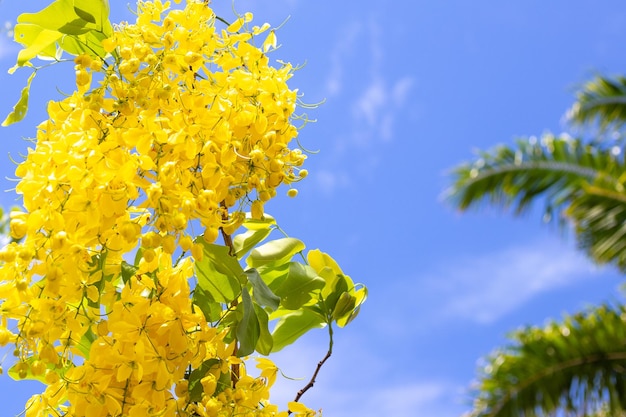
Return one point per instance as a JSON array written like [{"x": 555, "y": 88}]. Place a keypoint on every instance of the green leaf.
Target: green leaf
[
  {"x": 361, "y": 296},
  {"x": 333, "y": 290},
  {"x": 274, "y": 275},
  {"x": 195, "y": 385},
  {"x": 85, "y": 15},
  {"x": 345, "y": 304},
  {"x": 319, "y": 260},
  {"x": 244, "y": 242},
  {"x": 262, "y": 294},
  {"x": 293, "y": 325},
  {"x": 276, "y": 251},
  {"x": 84, "y": 345},
  {"x": 296, "y": 289},
  {"x": 77, "y": 26},
  {"x": 90, "y": 43},
  {"x": 211, "y": 309},
  {"x": 266, "y": 342},
  {"x": 248, "y": 330},
  {"x": 21, "y": 107},
  {"x": 219, "y": 273},
  {"x": 128, "y": 271},
  {"x": 14, "y": 371},
  {"x": 37, "y": 41},
  {"x": 61, "y": 16},
  {"x": 257, "y": 224}
]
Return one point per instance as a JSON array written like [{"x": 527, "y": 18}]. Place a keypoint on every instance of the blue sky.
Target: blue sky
[{"x": 411, "y": 89}]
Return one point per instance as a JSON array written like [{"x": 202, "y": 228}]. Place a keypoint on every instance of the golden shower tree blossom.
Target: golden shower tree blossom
[{"x": 113, "y": 291}]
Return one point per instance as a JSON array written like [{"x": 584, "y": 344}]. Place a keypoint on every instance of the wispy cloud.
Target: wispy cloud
[
  {"x": 375, "y": 111},
  {"x": 340, "y": 52},
  {"x": 484, "y": 288},
  {"x": 359, "y": 51},
  {"x": 358, "y": 381},
  {"x": 373, "y": 101},
  {"x": 420, "y": 398},
  {"x": 7, "y": 47},
  {"x": 328, "y": 181}
]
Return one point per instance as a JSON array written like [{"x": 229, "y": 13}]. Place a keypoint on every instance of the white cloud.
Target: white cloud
[
  {"x": 356, "y": 381},
  {"x": 411, "y": 398},
  {"x": 341, "y": 50},
  {"x": 370, "y": 104},
  {"x": 401, "y": 90},
  {"x": 485, "y": 288},
  {"x": 375, "y": 111},
  {"x": 328, "y": 181},
  {"x": 377, "y": 108}
]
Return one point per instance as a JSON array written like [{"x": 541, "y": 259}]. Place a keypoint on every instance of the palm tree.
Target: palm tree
[{"x": 577, "y": 366}]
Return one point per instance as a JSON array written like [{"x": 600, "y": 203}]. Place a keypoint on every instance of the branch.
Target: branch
[{"x": 311, "y": 382}]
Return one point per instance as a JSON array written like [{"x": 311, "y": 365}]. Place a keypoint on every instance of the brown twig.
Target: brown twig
[{"x": 311, "y": 382}]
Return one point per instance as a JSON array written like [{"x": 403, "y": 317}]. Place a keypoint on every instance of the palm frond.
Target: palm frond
[
  {"x": 554, "y": 168},
  {"x": 601, "y": 100},
  {"x": 576, "y": 365},
  {"x": 585, "y": 184},
  {"x": 599, "y": 217}
]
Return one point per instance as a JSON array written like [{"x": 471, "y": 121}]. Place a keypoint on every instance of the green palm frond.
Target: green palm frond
[
  {"x": 601, "y": 100},
  {"x": 599, "y": 217},
  {"x": 582, "y": 183},
  {"x": 575, "y": 366}
]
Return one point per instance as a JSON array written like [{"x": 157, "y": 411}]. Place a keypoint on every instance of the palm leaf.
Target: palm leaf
[
  {"x": 577, "y": 365},
  {"x": 599, "y": 217},
  {"x": 601, "y": 100},
  {"x": 583, "y": 183}
]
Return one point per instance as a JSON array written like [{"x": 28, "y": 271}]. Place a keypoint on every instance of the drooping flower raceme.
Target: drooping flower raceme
[{"x": 175, "y": 136}]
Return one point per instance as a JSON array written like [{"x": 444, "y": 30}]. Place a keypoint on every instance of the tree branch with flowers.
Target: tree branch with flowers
[{"x": 113, "y": 290}]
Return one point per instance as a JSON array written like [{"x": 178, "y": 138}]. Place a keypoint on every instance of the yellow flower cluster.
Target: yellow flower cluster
[{"x": 187, "y": 126}]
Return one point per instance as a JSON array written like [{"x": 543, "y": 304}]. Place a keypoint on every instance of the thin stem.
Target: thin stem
[{"x": 311, "y": 382}]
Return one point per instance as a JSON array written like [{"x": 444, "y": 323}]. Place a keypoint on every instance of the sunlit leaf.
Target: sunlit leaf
[
  {"x": 61, "y": 16},
  {"x": 276, "y": 251},
  {"x": 14, "y": 371},
  {"x": 257, "y": 224},
  {"x": 211, "y": 309},
  {"x": 244, "y": 242},
  {"x": 318, "y": 260},
  {"x": 85, "y": 15},
  {"x": 261, "y": 293},
  {"x": 37, "y": 41},
  {"x": 90, "y": 43},
  {"x": 360, "y": 297},
  {"x": 333, "y": 290},
  {"x": 219, "y": 273},
  {"x": 77, "y": 27},
  {"x": 274, "y": 275},
  {"x": 296, "y": 289},
  {"x": 344, "y": 306},
  {"x": 21, "y": 107},
  {"x": 84, "y": 345},
  {"x": 293, "y": 325}
]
